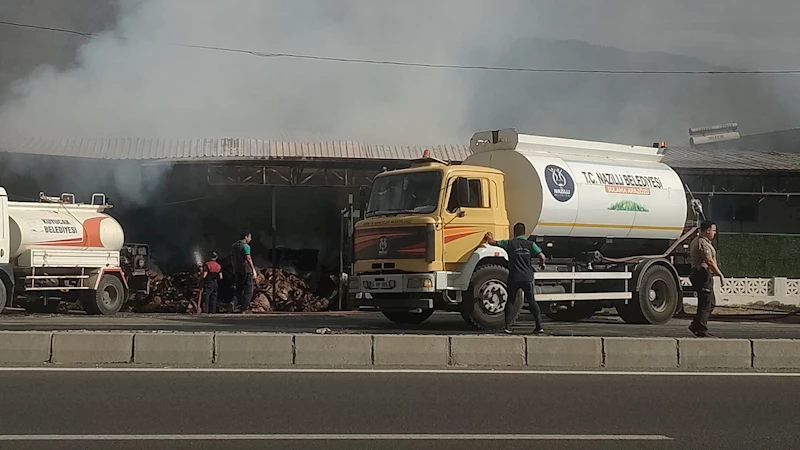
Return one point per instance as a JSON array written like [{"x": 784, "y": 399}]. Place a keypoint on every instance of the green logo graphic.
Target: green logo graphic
[{"x": 627, "y": 205}]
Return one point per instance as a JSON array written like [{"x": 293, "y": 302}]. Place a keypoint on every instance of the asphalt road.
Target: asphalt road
[
  {"x": 369, "y": 322},
  {"x": 547, "y": 411}
]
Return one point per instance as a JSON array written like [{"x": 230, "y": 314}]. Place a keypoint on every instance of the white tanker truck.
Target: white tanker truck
[
  {"x": 55, "y": 250},
  {"x": 609, "y": 217}
]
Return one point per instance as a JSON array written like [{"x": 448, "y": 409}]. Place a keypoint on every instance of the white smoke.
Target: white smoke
[
  {"x": 197, "y": 254},
  {"x": 145, "y": 87}
]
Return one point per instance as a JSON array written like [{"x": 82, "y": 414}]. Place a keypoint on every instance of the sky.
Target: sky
[
  {"x": 745, "y": 34},
  {"x": 145, "y": 87}
]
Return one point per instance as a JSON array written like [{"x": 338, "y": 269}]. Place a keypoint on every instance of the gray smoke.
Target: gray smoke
[{"x": 143, "y": 87}]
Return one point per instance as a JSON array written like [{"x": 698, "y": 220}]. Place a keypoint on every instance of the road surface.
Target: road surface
[
  {"x": 253, "y": 410},
  {"x": 370, "y": 322}
]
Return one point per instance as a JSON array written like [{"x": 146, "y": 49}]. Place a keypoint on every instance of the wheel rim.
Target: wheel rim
[
  {"x": 110, "y": 295},
  {"x": 658, "y": 296},
  {"x": 492, "y": 296}
]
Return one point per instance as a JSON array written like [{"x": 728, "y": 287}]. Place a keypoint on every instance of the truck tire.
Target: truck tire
[
  {"x": 3, "y": 295},
  {"x": 408, "y": 317},
  {"x": 581, "y": 311},
  {"x": 484, "y": 303},
  {"x": 107, "y": 300},
  {"x": 656, "y": 300}
]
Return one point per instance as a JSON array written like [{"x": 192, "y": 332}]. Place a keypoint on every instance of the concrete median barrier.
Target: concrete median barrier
[
  {"x": 333, "y": 350},
  {"x": 386, "y": 350},
  {"x": 24, "y": 347},
  {"x": 92, "y": 348},
  {"x": 495, "y": 351},
  {"x": 173, "y": 348},
  {"x": 407, "y": 350},
  {"x": 253, "y": 349},
  {"x": 641, "y": 353},
  {"x": 565, "y": 352},
  {"x": 696, "y": 353},
  {"x": 776, "y": 354}
]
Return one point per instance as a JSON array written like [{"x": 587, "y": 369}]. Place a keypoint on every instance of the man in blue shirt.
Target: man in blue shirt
[
  {"x": 520, "y": 274},
  {"x": 244, "y": 270}
]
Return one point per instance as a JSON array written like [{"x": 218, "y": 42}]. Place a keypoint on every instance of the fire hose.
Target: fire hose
[
  {"x": 199, "y": 301},
  {"x": 200, "y": 291}
]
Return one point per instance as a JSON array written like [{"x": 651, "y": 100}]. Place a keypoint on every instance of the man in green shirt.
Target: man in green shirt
[
  {"x": 244, "y": 270},
  {"x": 520, "y": 274}
]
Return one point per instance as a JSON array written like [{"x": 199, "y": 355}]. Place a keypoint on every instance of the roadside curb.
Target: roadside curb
[{"x": 230, "y": 349}]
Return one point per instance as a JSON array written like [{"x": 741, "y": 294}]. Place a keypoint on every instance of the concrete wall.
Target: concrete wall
[
  {"x": 360, "y": 350},
  {"x": 754, "y": 291}
]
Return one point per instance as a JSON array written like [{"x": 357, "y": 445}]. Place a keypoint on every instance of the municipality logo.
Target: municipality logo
[{"x": 559, "y": 183}]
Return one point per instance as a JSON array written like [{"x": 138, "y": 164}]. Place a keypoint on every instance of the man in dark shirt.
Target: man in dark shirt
[
  {"x": 520, "y": 274},
  {"x": 212, "y": 273},
  {"x": 244, "y": 270}
]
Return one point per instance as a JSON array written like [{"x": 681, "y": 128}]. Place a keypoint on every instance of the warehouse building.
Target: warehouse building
[{"x": 189, "y": 197}]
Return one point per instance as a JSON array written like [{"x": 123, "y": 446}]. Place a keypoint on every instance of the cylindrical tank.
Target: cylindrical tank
[
  {"x": 60, "y": 226},
  {"x": 569, "y": 195}
]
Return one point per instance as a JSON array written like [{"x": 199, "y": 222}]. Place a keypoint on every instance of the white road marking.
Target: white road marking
[
  {"x": 333, "y": 437},
  {"x": 400, "y": 371}
]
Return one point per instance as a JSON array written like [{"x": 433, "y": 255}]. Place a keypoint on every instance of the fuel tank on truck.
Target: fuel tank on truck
[
  {"x": 582, "y": 189},
  {"x": 52, "y": 226}
]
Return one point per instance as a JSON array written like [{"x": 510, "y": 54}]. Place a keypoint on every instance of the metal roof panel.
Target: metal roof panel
[{"x": 246, "y": 149}]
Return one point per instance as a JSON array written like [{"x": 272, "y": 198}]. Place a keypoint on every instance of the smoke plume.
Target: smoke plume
[{"x": 145, "y": 87}]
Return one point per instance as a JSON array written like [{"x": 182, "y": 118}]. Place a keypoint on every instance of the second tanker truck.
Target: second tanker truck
[
  {"x": 55, "y": 250},
  {"x": 609, "y": 217}
]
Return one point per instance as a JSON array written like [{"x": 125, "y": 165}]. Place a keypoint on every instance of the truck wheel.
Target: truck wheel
[
  {"x": 107, "y": 299},
  {"x": 559, "y": 313},
  {"x": 656, "y": 300},
  {"x": 3, "y": 295},
  {"x": 484, "y": 303},
  {"x": 408, "y": 317}
]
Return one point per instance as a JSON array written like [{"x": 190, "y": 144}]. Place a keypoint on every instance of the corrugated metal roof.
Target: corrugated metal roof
[
  {"x": 222, "y": 149},
  {"x": 692, "y": 158},
  {"x": 246, "y": 149}
]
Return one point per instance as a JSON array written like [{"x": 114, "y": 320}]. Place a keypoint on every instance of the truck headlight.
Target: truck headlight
[
  {"x": 353, "y": 284},
  {"x": 419, "y": 283}
]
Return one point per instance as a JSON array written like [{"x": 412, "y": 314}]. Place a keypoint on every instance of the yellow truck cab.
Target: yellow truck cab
[{"x": 420, "y": 245}]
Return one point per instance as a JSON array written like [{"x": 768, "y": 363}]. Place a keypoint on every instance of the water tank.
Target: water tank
[
  {"x": 60, "y": 226},
  {"x": 570, "y": 188}
]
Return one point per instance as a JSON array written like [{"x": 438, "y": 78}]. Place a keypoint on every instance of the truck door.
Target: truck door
[{"x": 466, "y": 219}]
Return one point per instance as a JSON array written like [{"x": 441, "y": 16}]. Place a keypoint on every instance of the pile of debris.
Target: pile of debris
[
  {"x": 277, "y": 290},
  {"x": 176, "y": 293},
  {"x": 274, "y": 290}
]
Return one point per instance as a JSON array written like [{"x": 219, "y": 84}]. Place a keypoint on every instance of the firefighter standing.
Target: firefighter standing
[
  {"x": 703, "y": 257},
  {"x": 211, "y": 274},
  {"x": 245, "y": 271}
]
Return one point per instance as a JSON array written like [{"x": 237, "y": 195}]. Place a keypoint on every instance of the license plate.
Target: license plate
[{"x": 387, "y": 284}]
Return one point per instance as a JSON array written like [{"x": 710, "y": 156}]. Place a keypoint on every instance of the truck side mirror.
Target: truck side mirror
[{"x": 462, "y": 191}]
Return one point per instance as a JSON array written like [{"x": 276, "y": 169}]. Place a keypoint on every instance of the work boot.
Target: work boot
[{"x": 699, "y": 333}]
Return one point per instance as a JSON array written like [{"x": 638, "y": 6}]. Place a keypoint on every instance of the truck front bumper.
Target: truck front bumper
[{"x": 403, "y": 291}]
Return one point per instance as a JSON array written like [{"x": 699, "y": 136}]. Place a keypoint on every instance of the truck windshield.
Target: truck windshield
[{"x": 410, "y": 193}]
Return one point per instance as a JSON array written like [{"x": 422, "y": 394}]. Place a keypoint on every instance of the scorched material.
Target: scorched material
[
  {"x": 287, "y": 292},
  {"x": 275, "y": 290}
]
